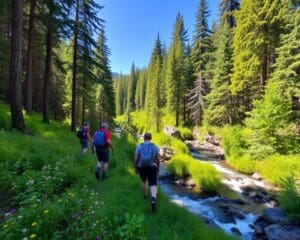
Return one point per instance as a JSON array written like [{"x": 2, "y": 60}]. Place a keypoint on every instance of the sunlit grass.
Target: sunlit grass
[
  {"x": 203, "y": 174},
  {"x": 51, "y": 191}
]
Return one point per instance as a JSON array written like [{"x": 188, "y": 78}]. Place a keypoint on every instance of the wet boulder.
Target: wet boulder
[
  {"x": 212, "y": 139},
  {"x": 276, "y": 215},
  {"x": 278, "y": 232},
  {"x": 166, "y": 153},
  {"x": 256, "y": 176},
  {"x": 173, "y": 132},
  {"x": 236, "y": 231}
]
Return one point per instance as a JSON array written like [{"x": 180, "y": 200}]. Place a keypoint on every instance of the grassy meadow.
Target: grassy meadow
[{"x": 48, "y": 191}]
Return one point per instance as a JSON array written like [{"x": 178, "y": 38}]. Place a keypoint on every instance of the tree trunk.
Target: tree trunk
[
  {"x": 74, "y": 80},
  {"x": 15, "y": 66},
  {"x": 28, "y": 78},
  {"x": 49, "y": 45},
  {"x": 83, "y": 103}
]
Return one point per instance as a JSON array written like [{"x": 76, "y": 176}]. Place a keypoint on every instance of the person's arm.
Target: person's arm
[
  {"x": 108, "y": 140},
  {"x": 157, "y": 161},
  {"x": 135, "y": 163},
  {"x": 92, "y": 143}
]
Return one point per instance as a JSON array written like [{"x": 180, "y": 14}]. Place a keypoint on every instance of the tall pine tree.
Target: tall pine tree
[
  {"x": 259, "y": 25},
  {"x": 175, "y": 80},
  {"x": 153, "y": 102},
  {"x": 201, "y": 49}
]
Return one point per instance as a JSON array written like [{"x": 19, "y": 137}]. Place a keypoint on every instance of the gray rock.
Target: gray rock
[
  {"x": 173, "y": 132},
  {"x": 276, "y": 215},
  {"x": 278, "y": 232},
  {"x": 212, "y": 139},
  {"x": 165, "y": 153},
  {"x": 256, "y": 176},
  {"x": 236, "y": 231}
]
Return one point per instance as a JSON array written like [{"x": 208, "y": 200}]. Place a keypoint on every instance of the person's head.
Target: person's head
[
  {"x": 86, "y": 125},
  {"x": 104, "y": 125},
  {"x": 147, "y": 136}
]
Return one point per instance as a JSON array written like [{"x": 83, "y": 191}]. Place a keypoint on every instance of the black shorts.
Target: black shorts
[
  {"x": 84, "y": 143},
  {"x": 102, "y": 154},
  {"x": 149, "y": 173}
]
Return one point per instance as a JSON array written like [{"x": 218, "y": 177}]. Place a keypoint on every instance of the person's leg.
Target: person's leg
[
  {"x": 142, "y": 174},
  {"x": 105, "y": 157},
  {"x": 84, "y": 146},
  {"x": 152, "y": 178},
  {"x": 99, "y": 164}
]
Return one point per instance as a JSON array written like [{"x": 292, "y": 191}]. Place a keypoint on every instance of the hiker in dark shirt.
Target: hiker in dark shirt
[
  {"x": 84, "y": 137},
  {"x": 146, "y": 164}
]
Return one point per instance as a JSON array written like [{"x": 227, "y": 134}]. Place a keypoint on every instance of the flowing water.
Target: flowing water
[{"x": 230, "y": 209}]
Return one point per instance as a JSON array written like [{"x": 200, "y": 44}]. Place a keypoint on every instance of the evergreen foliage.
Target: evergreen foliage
[
  {"x": 131, "y": 88},
  {"x": 259, "y": 25},
  {"x": 201, "y": 49},
  {"x": 175, "y": 79},
  {"x": 219, "y": 110},
  {"x": 153, "y": 101}
]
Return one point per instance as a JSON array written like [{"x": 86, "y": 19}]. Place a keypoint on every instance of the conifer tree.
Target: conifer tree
[
  {"x": 86, "y": 24},
  {"x": 259, "y": 25},
  {"x": 219, "y": 100},
  {"x": 131, "y": 89},
  {"x": 103, "y": 73},
  {"x": 141, "y": 89},
  {"x": 15, "y": 67},
  {"x": 201, "y": 49},
  {"x": 5, "y": 32},
  {"x": 227, "y": 8},
  {"x": 287, "y": 67},
  {"x": 29, "y": 58},
  {"x": 153, "y": 102},
  {"x": 175, "y": 70}
]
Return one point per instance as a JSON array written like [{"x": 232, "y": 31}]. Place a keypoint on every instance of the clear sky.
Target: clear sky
[{"x": 132, "y": 26}]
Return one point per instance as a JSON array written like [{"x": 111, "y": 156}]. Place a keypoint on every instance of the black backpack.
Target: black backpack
[{"x": 80, "y": 133}]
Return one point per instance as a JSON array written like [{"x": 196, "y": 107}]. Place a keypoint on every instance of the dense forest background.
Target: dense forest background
[
  {"x": 244, "y": 70},
  {"x": 57, "y": 54}
]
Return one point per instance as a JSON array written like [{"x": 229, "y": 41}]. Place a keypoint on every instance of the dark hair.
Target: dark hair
[{"x": 147, "y": 136}]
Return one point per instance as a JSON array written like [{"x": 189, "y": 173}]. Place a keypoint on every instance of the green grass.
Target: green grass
[
  {"x": 278, "y": 167},
  {"x": 204, "y": 175},
  {"x": 51, "y": 192}
]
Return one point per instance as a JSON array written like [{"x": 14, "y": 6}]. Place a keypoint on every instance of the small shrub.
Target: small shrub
[
  {"x": 243, "y": 163},
  {"x": 277, "y": 167},
  {"x": 179, "y": 165},
  {"x": 186, "y": 133},
  {"x": 205, "y": 175},
  {"x": 289, "y": 198},
  {"x": 233, "y": 141}
]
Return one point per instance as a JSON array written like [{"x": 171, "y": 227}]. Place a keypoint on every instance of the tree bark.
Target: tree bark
[
  {"x": 74, "y": 69},
  {"x": 15, "y": 67},
  {"x": 28, "y": 78},
  {"x": 49, "y": 46}
]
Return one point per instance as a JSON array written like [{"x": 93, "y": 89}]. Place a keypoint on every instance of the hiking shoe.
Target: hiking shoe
[
  {"x": 153, "y": 204},
  {"x": 97, "y": 175}
]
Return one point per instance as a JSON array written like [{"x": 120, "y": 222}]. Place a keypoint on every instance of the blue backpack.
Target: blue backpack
[
  {"x": 99, "y": 139},
  {"x": 147, "y": 155}
]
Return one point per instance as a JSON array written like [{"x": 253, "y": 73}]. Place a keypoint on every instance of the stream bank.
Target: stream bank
[{"x": 244, "y": 205}]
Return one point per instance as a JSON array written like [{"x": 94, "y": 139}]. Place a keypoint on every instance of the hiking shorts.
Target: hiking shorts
[
  {"x": 84, "y": 143},
  {"x": 148, "y": 173},
  {"x": 102, "y": 154}
]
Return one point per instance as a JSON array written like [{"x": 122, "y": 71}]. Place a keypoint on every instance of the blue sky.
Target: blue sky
[{"x": 132, "y": 26}]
